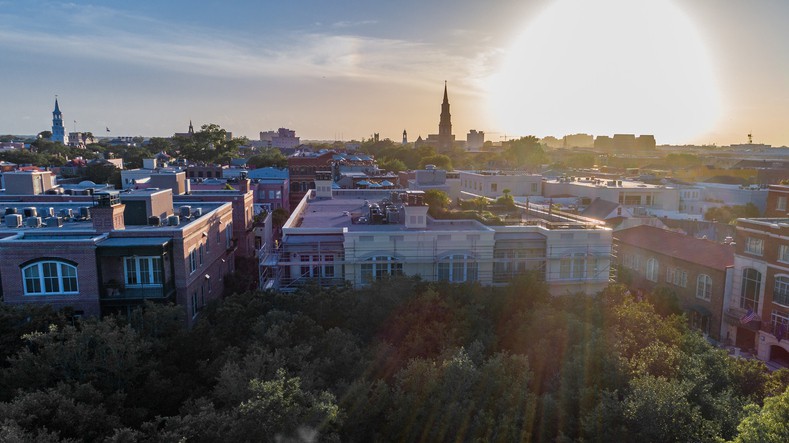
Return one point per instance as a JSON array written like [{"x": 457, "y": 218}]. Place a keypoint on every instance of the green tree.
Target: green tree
[
  {"x": 100, "y": 172},
  {"x": 527, "y": 152},
  {"x": 440, "y": 161},
  {"x": 436, "y": 200},
  {"x": 392, "y": 165},
  {"x": 767, "y": 424},
  {"x": 210, "y": 145},
  {"x": 268, "y": 157}
]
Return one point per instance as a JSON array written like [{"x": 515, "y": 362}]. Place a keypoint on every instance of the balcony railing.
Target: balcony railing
[{"x": 144, "y": 292}]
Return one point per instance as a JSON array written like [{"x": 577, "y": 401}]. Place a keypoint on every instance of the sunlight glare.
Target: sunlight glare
[{"x": 605, "y": 67}]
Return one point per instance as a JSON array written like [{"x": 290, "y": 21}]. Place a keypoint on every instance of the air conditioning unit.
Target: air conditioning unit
[
  {"x": 185, "y": 211},
  {"x": 54, "y": 222},
  {"x": 154, "y": 220},
  {"x": 197, "y": 212},
  {"x": 84, "y": 212},
  {"x": 173, "y": 220},
  {"x": 66, "y": 213},
  {"x": 9, "y": 211},
  {"x": 33, "y": 222},
  {"x": 30, "y": 212},
  {"x": 13, "y": 220}
]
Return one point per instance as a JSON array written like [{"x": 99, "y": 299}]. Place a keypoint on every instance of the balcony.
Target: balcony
[
  {"x": 127, "y": 294},
  {"x": 732, "y": 316}
]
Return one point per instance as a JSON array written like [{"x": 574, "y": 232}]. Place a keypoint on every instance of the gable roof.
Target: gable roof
[{"x": 683, "y": 247}]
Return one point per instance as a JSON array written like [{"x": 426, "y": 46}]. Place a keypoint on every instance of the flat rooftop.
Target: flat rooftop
[
  {"x": 607, "y": 183},
  {"x": 344, "y": 212}
]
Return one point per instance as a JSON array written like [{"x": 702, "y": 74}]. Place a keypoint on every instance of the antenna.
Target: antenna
[{"x": 750, "y": 138}]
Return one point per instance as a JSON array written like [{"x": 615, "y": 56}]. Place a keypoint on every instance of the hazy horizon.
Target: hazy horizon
[{"x": 701, "y": 72}]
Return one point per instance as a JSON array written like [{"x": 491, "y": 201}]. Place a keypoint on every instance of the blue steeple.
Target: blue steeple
[
  {"x": 57, "y": 108},
  {"x": 58, "y": 130}
]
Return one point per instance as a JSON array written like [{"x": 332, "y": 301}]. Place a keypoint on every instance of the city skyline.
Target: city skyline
[{"x": 699, "y": 72}]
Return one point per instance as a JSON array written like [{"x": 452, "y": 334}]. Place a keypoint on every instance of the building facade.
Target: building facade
[
  {"x": 758, "y": 307},
  {"x": 699, "y": 272}
]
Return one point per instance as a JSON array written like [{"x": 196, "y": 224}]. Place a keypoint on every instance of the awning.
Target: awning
[{"x": 128, "y": 246}]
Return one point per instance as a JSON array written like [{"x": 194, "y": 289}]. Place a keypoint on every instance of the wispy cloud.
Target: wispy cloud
[
  {"x": 111, "y": 35},
  {"x": 353, "y": 24}
]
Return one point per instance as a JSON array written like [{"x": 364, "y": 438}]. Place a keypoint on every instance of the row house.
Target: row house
[{"x": 699, "y": 272}]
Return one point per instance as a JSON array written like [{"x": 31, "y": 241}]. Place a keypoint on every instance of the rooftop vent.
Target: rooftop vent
[
  {"x": 9, "y": 211},
  {"x": 154, "y": 220},
  {"x": 173, "y": 220},
  {"x": 29, "y": 212},
  {"x": 185, "y": 211}
]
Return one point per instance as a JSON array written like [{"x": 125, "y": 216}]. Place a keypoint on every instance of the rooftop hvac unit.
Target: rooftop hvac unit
[
  {"x": 13, "y": 220},
  {"x": 185, "y": 211},
  {"x": 173, "y": 220},
  {"x": 84, "y": 212},
  {"x": 34, "y": 222},
  {"x": 154, "y": 220},
  {"x": 66, "y": 213},
  {"x": 29, "y": 212},
  {"x": 197, "y": 212},
  {"x": 9, "y": 211},
  {"x": 50, "y": 212},
  {"x": 54, "y": 222}
]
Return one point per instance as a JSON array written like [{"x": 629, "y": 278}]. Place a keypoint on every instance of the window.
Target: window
[
  {"x": 777, "y": 319},
  {"x": 781, "y": 290},
  {"x": 751, "y": 286},
  {"x": 376, "y": 268},
  {"x": 192, "y": 260},
  {"x": 143, "y": 271},
  {"x": 652, "y": 270},
  {"x": 494, "y": 187},
  {"x": 50, "y": 277},
  {"x": 202, "y": 253},
  {"x": 271, "y": 195},
  {"x": 194, "y": 304},
  {"x": 704, "y": 287},
  {"x": 754, "y": 246},
  {"x": 633, "y": 261},
  {"x": 228, "y": 234},
  {"x": 573, "y": 266},
  {"x": 783, "y": 253},
  {"x": 457, "y": 268},
  {"x": 780, "y": 204},
  {"x": 677, "y": 277}
]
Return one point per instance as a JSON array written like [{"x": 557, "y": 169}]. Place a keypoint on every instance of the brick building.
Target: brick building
[
  {"x": 110, "y": 252},
  {"x": 697, "y": 271},
  {"x": 761, "y": 287},
  {"x": 301, "y": 172}
]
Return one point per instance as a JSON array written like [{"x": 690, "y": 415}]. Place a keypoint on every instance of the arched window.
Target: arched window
[
  {"x": 457, "y": 268},
  {"x": 704, "y": 287},
  {"x": 781, "y": 290},
  {"x": 652, "y": 270},
  {"x": 376, "y": 268},
  {"x": 751, "y": 286},
  {"x": 50, "y": 277}
]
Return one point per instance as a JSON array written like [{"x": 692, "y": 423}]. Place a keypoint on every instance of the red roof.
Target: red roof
[{"x": 680, "y": 246}]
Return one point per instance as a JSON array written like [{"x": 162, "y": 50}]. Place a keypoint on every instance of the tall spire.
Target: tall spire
[
  {"x": 191, "y": 128},
  {"x": 57, "y": 108},
  {"x": 445, "y": 137}
]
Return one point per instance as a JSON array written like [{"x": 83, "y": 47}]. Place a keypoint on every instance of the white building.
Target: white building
[
  {"x": 492, "y": 184},
  {"x": 361, "y": 235},
  {"x": 641, "y": 197}
]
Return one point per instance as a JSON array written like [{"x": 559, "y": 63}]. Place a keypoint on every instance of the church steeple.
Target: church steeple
[
  {"x": 445, "y": 137},
  {"x": 191, "y": 128},
  {"x": 405, "y": 137},
  {"x": 58, "y": 130}
]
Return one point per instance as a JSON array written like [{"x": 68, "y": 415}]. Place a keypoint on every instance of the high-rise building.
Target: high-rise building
[{"x": 58, "y": 130}]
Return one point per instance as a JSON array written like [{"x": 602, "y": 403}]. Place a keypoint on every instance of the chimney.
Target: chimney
[
  {"x": 107, "y": 214},
  {"x": 244, "y": 184}
]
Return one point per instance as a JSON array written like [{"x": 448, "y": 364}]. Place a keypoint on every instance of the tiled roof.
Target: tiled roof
[{"x": 673, "y": 244}]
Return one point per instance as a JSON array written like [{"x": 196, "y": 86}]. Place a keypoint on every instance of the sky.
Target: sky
[{"x": 687, "y": 71}]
